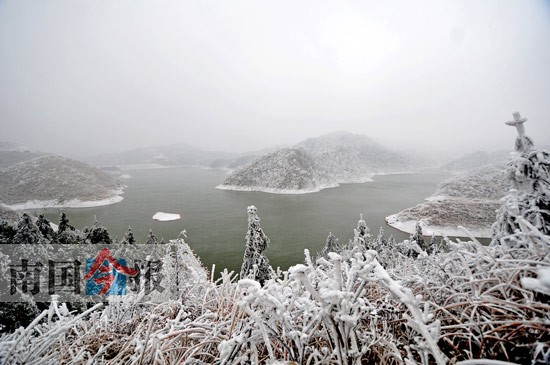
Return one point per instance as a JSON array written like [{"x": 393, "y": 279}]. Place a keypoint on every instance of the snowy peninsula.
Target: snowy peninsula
[
  {"x": 319, "y": 163},
  {"x": 467, "y": 200}
]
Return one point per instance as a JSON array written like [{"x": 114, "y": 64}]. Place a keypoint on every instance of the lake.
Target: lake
[{"x": 216, "y": 220}]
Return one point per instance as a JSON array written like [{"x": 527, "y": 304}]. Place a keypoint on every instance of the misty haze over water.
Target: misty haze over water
[{"x": 82, "y": 77}]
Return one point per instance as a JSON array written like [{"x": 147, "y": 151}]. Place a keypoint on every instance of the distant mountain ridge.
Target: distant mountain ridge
[
  {"x": 167, "y": 155},
  {"x": 318, "y": 163},
  {"x": 179, "y": 154},
  {"x": 55, "y": 181}
]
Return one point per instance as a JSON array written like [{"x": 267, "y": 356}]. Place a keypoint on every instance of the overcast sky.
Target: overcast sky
[{"x": 79, "y": 77}]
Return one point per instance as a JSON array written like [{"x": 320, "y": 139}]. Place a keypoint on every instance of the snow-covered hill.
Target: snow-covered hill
[
  {"x": 54, "y": 181},
  {"x": 469, "y": 200},
  {"x": 318, "y": 163},
  {"x": 289, "y": 171}
]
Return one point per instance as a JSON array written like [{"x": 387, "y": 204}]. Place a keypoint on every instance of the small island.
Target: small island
[{"x": 319, "y": 163}]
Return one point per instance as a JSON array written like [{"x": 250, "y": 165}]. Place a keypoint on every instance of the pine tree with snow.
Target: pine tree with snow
[
  {"x": 434, "y": 246},
  {"x": 67, "y": 234},
  {"x": 362, "y": 236},
  {"x": 64, "y": 224},
  {"x": 27, "y": 232},
  {"x": 391, "y": 242},
  {"x": 151, "y": 238},
  {"x": 381, "y": 242},
  {"x": 129, "y": 237},
  {"x": 45, "y": 228},
  {"x": 418, "y": 237},
  {"x": 255, "y": 264},
  {"x": 529, "y": 173},
  {"x": 331, "y": 245},
  {"x": 7, "y": 232},
  {"x": 97, "y": 234}
]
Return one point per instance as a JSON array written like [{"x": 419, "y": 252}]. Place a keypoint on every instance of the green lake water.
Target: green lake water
[{"x": 216, "y": 220}]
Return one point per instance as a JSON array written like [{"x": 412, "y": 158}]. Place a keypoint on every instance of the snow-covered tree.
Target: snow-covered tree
[
  {"x": 362, "y": 236},
  {"x": 529, "y": 173},
  {"x": 331, "y": 245},
  {"x": 434, "y": 246},
  {"x": 151, "y": 238},
  {"x": 381, "y": 242},
  {"x": 179, "y": 275},
  {"x": 45, "y": 228},
  {"x": 27, "y": 231},
  {"x": 129, "y": 237},
  {"x": 255, "y": 264},
  {"x": 391, "y": 242},
  {"x": 64, "y": 224},
  {"x": 418, "y": 237},
  {"x": 97, "y": 234},
  {"x": 7, "y": 231}
]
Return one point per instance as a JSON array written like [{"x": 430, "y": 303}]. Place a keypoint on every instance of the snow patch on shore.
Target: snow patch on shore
[
  {"x": 164, "y": 217},
  {"x": 409, "y": 226},
  {"x": 354, "y": 180},
  {"x": 73, "y": 203},
  {"x": 275, "y": 190}
]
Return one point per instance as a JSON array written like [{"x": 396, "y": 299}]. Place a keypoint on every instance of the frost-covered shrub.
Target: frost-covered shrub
[
  {"x": 353, "y": 305},
  {"x": 255, "y": 263},
  {"x": 469, "y": 302}
]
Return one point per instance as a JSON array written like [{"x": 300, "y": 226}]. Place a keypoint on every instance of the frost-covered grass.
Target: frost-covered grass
[{"x": 354, "y": 307}]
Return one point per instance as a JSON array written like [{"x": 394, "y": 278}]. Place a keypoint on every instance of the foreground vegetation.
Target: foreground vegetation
[{"x": 370, "y": 300}]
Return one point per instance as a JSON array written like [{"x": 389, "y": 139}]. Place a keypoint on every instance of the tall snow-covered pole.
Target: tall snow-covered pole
[{"x": 529, "y": 173}]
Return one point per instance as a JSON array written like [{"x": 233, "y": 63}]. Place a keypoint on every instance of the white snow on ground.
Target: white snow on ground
[
  {"x": 164, "y": 217},
  {"x": 54, "y": 226},
  {"x": 125, "y": 176},
  {"x": 73, "y": 203},
  {"x": 540, "y": 284},
  {"x": 429, "y": 230}
]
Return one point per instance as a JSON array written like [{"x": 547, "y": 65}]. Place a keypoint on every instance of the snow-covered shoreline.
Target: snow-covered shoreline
[
  {"x": 73, "y": 203},
  {"x": 356, "y": 180},
  {"x": 274, "y": 190},
  {"x": 409, "y": 226}
]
